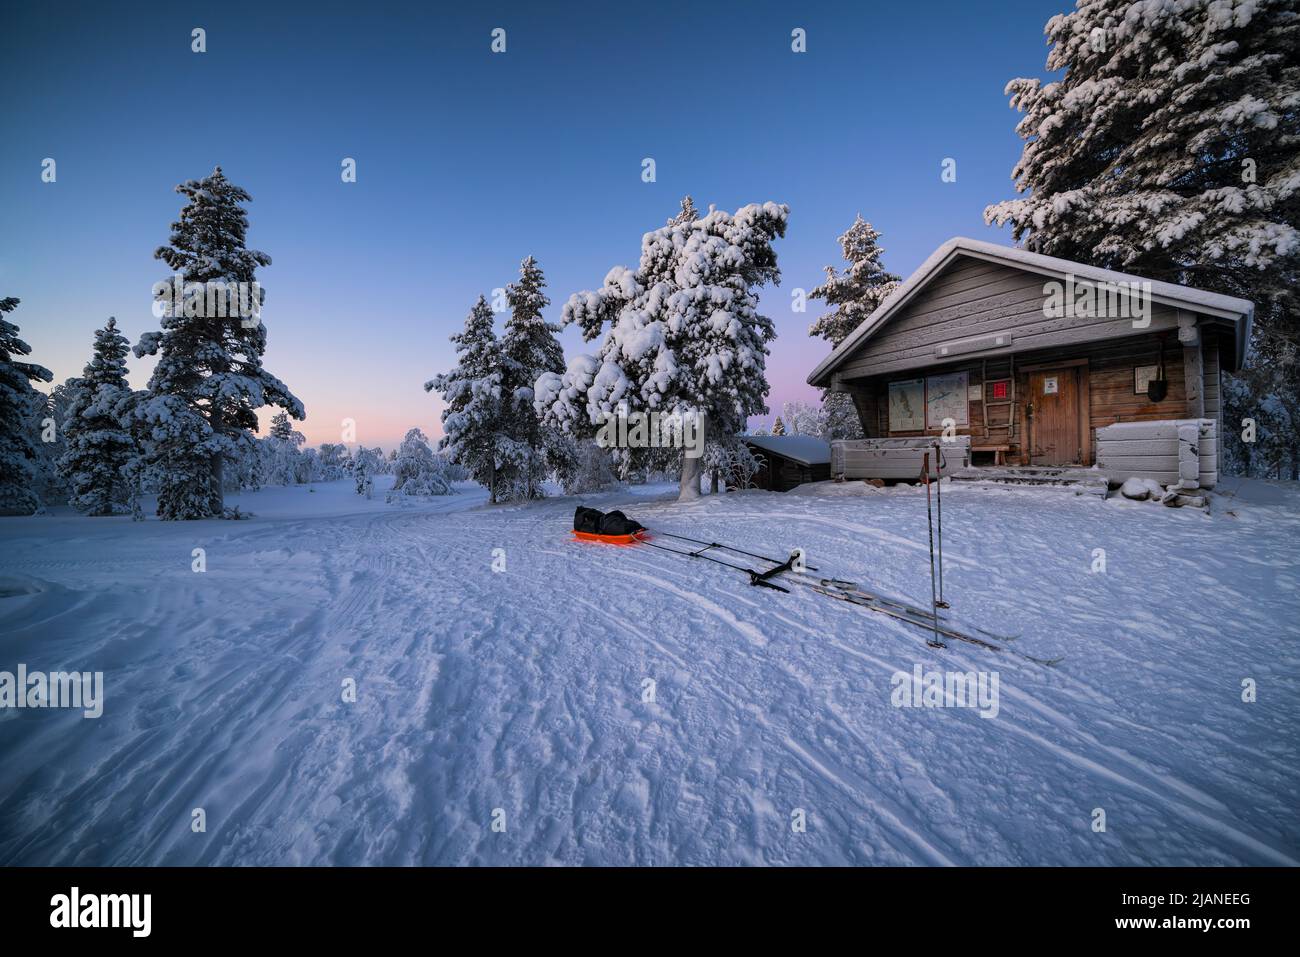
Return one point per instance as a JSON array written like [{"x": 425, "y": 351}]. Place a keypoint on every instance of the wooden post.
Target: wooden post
[{"x": 1193, "y": 364}]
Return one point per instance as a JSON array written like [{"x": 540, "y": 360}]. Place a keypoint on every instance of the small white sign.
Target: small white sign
[
  {"x": 1050, "y": 386},
  {"x": 975, "y": 393}
]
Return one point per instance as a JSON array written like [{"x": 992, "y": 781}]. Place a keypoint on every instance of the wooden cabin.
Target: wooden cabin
[
  {"x": 1029, "y": 355},
  {"x": 788, "y": 460}
]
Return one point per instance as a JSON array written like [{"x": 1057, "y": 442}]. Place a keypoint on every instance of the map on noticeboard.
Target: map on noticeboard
[
  {"x": 907, "y": 406},
  {"x": 945, "y": 398}
]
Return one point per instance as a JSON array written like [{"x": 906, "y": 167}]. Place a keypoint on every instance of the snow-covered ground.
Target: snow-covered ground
[{"x": 522, "y": 689}]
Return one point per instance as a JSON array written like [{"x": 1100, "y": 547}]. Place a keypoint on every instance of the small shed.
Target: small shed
[{"x": 788, "y": 460}]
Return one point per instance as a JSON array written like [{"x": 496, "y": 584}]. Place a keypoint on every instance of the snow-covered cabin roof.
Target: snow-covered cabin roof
[
  {"x": 800, "y": 448},
  {"x": 1238, "y": 311}
]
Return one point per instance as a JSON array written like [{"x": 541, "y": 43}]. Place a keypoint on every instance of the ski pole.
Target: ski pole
[
  {"x": 938, "y": 497},
  {"x": 934, "y": 641}
]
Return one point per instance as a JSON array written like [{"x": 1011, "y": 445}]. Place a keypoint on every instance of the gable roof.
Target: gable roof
[
  {"x": 804, "y": 449},
  {"x": 1239, "y": 311}
]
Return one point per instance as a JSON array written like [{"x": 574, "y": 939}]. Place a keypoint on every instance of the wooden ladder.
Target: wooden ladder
[{"x": 1009, "y": 364}]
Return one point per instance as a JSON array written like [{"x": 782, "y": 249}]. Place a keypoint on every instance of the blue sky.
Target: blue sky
[{"x": 468, "y": 161}]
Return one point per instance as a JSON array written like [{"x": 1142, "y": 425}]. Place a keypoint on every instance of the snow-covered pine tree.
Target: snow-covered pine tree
[
  {"x": 18, "y": 449},
  {"x": 472, "y": 419},
  {"x": 528, "y": 350},
  {"x": 1170, "y": 148},
  {"x": 682, "y": 333},
  {"x": 418, "y": 471},
  {"x": 855, "y": 293},
  {"x": 99, "y": 442},
  {"x": 778, "y": 427},
  {"x": 803, "y": 418},
  {"x": 209, "y": 366},
  {"x": 334, "y": 463},
  {"x": 587, "y": 469}
]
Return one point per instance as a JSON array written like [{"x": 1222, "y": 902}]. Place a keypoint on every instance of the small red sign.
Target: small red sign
[{"x": 1000, "y": 390}]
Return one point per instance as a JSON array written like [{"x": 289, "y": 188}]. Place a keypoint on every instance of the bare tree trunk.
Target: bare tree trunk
[
  {"x": 689, "y": 489},
  {"x": 713, "y": 486},
  {"x": 216, "y": 479}
]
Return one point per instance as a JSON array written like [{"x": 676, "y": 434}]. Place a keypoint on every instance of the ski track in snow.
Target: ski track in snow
[{"x": 522, "y": 690}]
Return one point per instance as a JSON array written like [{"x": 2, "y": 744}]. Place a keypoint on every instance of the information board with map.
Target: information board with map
[{"x": 945, "y": 398}]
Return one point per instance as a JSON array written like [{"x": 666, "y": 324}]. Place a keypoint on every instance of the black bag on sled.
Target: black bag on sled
[{"x": 594, "y": 522}]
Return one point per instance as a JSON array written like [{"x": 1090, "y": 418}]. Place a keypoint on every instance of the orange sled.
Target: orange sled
[{"x": 609, "y": 539}]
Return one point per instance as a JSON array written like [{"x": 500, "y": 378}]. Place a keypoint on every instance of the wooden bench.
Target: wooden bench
[{"x": 999, "y": 452}]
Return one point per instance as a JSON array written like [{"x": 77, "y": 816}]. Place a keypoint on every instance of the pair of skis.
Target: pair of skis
[{"x": 792, "y": 571}]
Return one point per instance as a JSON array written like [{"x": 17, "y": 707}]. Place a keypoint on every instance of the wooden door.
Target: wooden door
[{"x": 1054, "y": 427}]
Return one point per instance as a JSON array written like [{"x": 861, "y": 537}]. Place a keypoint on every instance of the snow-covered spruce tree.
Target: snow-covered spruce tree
[
  {"x": 587, "y": 469},
  {"x": 1256, "y": 395},
  {"x": 687, "y": 215},
  {"x": 778, "y": 427},
  {"x": 730, "y": 463},
  {"x": 309, "y": 466},
  {"x": 18, "y": 449},
  {"x": 836, "y": 418},
  {"x": 453, "y": 471},
  {"x": 282, "y": 430},
  {"x": 840, "y": 419},
  {"x": 174, "y": 454},
  {"x": 472, "y": 419},
  {"x": 528, "y": 350},
  {"x": 48, "y": 416},
  {"x": 99, "y": 443},
  {"x": 209, "y": 366},
  {"x": 682, "y": 333},
  {"x": 334, "y": 462},
  {"x": 363, "y": 470},
  {"x": 284, "y": 462},
  {"x": 252, "y": 467},
  {"x": 42, "y": 424},
  {"x": 855, "y": 294},
  {"x": 1170, "y": 148}
]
